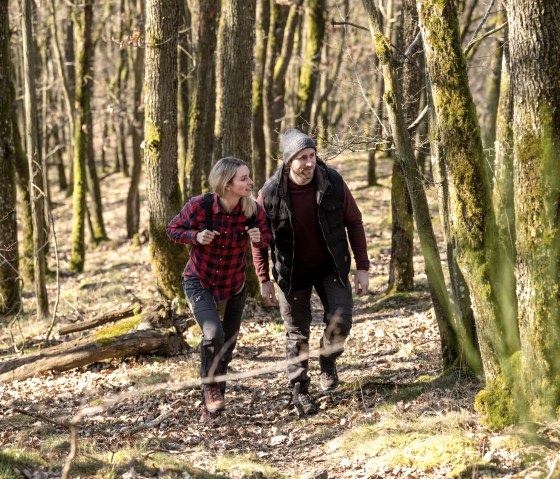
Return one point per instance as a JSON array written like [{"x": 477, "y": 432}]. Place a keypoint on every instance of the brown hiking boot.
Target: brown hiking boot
[
  {"x": 207, "y": 416},
  {"x": 328, "y": 378},
  {"x": 213, "y": 398}
]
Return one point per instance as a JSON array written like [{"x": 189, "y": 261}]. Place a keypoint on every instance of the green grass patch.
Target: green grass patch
[{"x": 11, "y": 459}]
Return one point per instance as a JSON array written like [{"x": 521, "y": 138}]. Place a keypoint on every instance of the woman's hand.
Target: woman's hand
[
  {"x": 206, "y": 237},
  {"x": 254, "y": 234}
]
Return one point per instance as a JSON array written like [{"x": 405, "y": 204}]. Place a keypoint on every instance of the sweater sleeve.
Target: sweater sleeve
[
  {"x": 355, "y": 228},
  {"x": 260, "y": 252}
]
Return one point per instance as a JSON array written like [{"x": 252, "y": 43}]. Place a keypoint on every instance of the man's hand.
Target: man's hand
[
  {"x": 361, "y": 282},
  {"x": 254, "y": 234},
  {"x": 206, "y": 237},
  {"x": 268, "y": 293}
]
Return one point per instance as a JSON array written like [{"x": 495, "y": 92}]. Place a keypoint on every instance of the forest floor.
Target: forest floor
[{"x": 395, "y": 414}]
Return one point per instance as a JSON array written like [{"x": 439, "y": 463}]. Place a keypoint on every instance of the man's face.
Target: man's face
[{"x": 302, "y": 166}]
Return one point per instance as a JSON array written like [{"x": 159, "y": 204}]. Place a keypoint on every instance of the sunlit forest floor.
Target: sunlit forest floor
[{"x": 395, "y": 415}]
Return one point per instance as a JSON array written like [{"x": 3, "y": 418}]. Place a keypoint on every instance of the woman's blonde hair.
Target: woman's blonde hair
[{"x": 222, "y": 175}]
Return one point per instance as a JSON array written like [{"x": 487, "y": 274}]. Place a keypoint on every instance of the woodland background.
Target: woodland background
[{"x": 443, "y": 115}]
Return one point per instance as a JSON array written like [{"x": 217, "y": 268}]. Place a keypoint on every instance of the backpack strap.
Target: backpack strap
[{"x": 206, "y": 203}]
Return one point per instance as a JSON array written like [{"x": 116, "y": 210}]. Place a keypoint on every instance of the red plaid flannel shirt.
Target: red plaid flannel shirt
[{"x": 220, "y": 265}]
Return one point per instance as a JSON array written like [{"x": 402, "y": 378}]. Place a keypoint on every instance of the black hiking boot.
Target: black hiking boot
[
  {"x": 328, "y": 378},
  {"x": 303, "y": 402}
]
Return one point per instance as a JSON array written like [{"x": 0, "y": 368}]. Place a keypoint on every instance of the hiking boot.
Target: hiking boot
[
  {"x": 303, "y": 402},
  {"x": 213, "y": 398},
  {"x": 308, "y": 405},
  {"x": 328, "y": 378},
  {"x": 207, "y": 416}
]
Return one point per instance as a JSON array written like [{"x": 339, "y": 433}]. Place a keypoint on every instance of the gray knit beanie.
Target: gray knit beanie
[{"x": 294, "y": 142}]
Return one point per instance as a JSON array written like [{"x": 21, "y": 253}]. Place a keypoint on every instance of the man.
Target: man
[{"x": 310, "y": 210}]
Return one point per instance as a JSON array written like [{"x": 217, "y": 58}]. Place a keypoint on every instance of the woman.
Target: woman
[{"x": 218, "y": 225}]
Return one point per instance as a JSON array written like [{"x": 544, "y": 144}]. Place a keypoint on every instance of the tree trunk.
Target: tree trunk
[
  {"x": 401, "y": 267},
  {"x": 203, "y": 112},
  {"x": 279, "y": 53},
  {"x": 404, "y": 155},
  {"x": 315, "y": 32},
  {"x": 534, "y": 29},
  {"x": 9, "y": 270},
  {"x": 160, "y": 152},
  {"x": 237, "y": 28},
  {"x": 259, "y": 144},
  {"x": 185, "y": 55},
  {"x": 82, "y": 103},
  {"x": 35, "y": 164},
  {"x": 472, "y": 226},
  {"x": 137, "y": 129},
  {"x": 492, "y": 97}
]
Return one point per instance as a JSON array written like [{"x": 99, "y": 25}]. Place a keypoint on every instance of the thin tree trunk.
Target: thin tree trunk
[
  {"x": 82, "y": 91},
  {"x": 160, "y": 153},
  {"x": 202, "y": 112},
  {"x": 9, "y": 270},
  {"x": 259, "y": 144},
  {"x": 185, "y": 55},
  {"x": 315, "y": 32},
  {"x": 133, "y": 197},
  {"x": 35, "y": 164}
]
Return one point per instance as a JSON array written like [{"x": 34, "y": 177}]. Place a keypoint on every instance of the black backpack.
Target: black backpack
[{"x": 206, "y": 203}]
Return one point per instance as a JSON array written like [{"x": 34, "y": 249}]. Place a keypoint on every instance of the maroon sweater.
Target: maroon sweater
[{"x": 310, "y": 248}]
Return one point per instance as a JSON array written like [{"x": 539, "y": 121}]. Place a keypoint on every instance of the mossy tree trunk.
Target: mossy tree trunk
[
  {"x": 404, "y": 155},
  {"x": 9, "y": 269},
  {"x": 36, "y": 186},
  {"x": 534, "y": 29},
  {"x": 82, "y": 104},
  {"x": 472, "y": 218},
  {"x": 203, "y": 112},
  {"x": 160, "y": 151},
  {"x": 315, "y": 32},
  {"x": 133, "y": 196},
  {"x": 259, "y": 144},
  {"x": 401, "y": 267}
]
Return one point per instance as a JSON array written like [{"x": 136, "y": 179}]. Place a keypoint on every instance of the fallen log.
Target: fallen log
[
  {"x": 105, "y": 318},
  {"x": 156, "y": 331}
]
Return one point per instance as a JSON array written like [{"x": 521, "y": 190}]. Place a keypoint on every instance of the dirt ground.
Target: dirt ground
[{"x": 394, "y": 416}]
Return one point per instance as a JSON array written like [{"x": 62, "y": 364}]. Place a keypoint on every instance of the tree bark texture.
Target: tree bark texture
[
  {"x": 82, "y": 103},
  {"x": 203, "y": 112},
  {"x": 472, "y": 217},
  {"x": 9, "y": 269},
  {"x": 315, "y": 32},
  {"x": 534, "y": 29},
  {"x": 160, "y": 151},
  {"x": 236, "y": 62},
  {"x": 259, "y": 144},
  {"x": 38, "y": 198}
]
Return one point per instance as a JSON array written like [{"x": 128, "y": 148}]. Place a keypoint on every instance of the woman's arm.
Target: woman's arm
[{"x": 185, "y": 226}]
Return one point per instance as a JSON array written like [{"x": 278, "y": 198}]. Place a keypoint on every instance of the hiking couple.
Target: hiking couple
[{"x": 305, "y": 214}]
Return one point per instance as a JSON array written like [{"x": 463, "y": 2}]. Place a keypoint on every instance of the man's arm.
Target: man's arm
[{"x": 357, "y": 238}]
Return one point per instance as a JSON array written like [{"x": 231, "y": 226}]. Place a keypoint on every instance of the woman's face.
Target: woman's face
[{"x": 241, "y": 185}]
